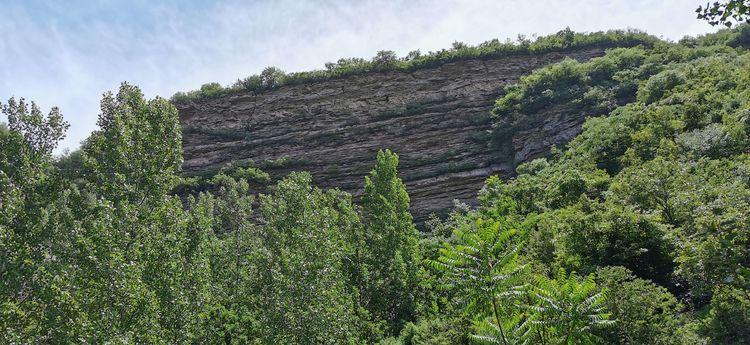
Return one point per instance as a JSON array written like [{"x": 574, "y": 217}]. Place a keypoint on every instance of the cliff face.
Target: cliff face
[{"x": 435, "y": 119}]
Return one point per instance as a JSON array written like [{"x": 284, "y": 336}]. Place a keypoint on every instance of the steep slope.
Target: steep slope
[{"x": 436, "y": 119}]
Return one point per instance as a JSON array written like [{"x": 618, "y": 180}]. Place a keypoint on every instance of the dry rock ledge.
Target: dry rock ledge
[{"x": 436, "y": 119}]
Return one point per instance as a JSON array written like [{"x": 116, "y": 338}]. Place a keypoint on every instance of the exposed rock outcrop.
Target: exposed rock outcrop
[{"x": 436, "y": 119}]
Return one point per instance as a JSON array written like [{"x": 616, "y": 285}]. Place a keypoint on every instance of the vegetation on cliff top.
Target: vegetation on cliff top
[{"x": 272, "y": 77}]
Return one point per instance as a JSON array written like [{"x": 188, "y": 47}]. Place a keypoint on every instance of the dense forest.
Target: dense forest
[{"x": 636, "y": 232}]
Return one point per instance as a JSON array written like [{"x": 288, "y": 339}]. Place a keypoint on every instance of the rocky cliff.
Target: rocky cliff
[{"x": 436, "y": 119}]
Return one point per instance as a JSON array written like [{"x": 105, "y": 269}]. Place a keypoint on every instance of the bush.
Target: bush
[
  {"x": 251, "y": 174},
  {"x": 590, "y": 235},
  {"x": 595, "y": 87},
  {"x": 645, "y": 312},
  {"x": 712, "y": 141},
  {"x": 728, "y": 320},
  {"x": 660, "y": 84},
  {"x": 430, "y": 332}
]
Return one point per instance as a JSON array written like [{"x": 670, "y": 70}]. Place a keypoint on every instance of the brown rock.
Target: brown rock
[{"x": 433, "y": 118}]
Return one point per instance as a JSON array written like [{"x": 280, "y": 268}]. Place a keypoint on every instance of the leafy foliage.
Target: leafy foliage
[
  {"x": 649, "y": 203},
  {"x": 391, "y": 258},
  {"x": 729, "y": 317},
  {"x": 302, "y": 287},
  {"x": 723, "y": 12},
  {"x": 138, "y": 149},
  {"x": 565, "y": 310},
  {"x": 645, "y": 312},
  {"x": 483, "y": 265},
  {"x": 656, "y": 184}
]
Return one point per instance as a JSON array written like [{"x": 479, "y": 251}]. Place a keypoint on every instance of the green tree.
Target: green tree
[
  {"x": 654, "y": 187},
  {"x": 131, "y": 162},
  {"x": 589, "y": 235},
  {"x": 391, "y": 239},
  {"x": 565, "y": 310},
  {"x": 271, "y": 77},
  {"x": 303, "y": 296},
  {"x": 483, "y": 266},
  {"x": 234, "y": 279},
  {"x": 646, "y": 313},
  {"x": 138, "y": 149},
  {"x": 151, "y": 253},
  {"x": 728, "y": 320},
  {"x": 435, "y": 331},
  {"x": 713, "y": 241},
  {"x": 37, "y": 301}
]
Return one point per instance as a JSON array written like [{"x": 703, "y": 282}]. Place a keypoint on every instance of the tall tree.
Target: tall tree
[
  {"x": 234, "y": 277},
  {"x": 303, "y": 294},
  {"x": 157, "y": 266},
  {"x": 138, "y": 149},
  {"x": 392, "y": 245},
  {"x": 36, "y": 291}
]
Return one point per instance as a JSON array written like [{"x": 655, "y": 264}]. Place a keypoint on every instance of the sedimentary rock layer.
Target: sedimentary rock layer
[{"x": 436, "y": 119}]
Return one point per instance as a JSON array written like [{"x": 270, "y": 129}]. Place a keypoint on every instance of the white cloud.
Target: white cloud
[{"x": 68, "y": 54}]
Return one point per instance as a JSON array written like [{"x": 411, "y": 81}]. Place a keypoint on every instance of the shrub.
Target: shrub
[
  {"x": 646, "y": 313},
  {"x": 728, "y": 320},
  {"x": 659, "y": 84},
  {"x": 430, "y": 332}
]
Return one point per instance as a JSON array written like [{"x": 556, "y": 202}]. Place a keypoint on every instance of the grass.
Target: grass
[{"x": 221, "y": 133}]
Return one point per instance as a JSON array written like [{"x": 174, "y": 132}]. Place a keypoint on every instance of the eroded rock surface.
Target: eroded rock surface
[{"x": 436, "y": 119}]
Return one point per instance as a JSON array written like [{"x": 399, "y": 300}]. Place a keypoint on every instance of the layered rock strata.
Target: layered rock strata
[{"x": 436, "y": 119}]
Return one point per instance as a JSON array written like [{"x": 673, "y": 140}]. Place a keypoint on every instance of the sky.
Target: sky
[{"x": 68, "y": 53}]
